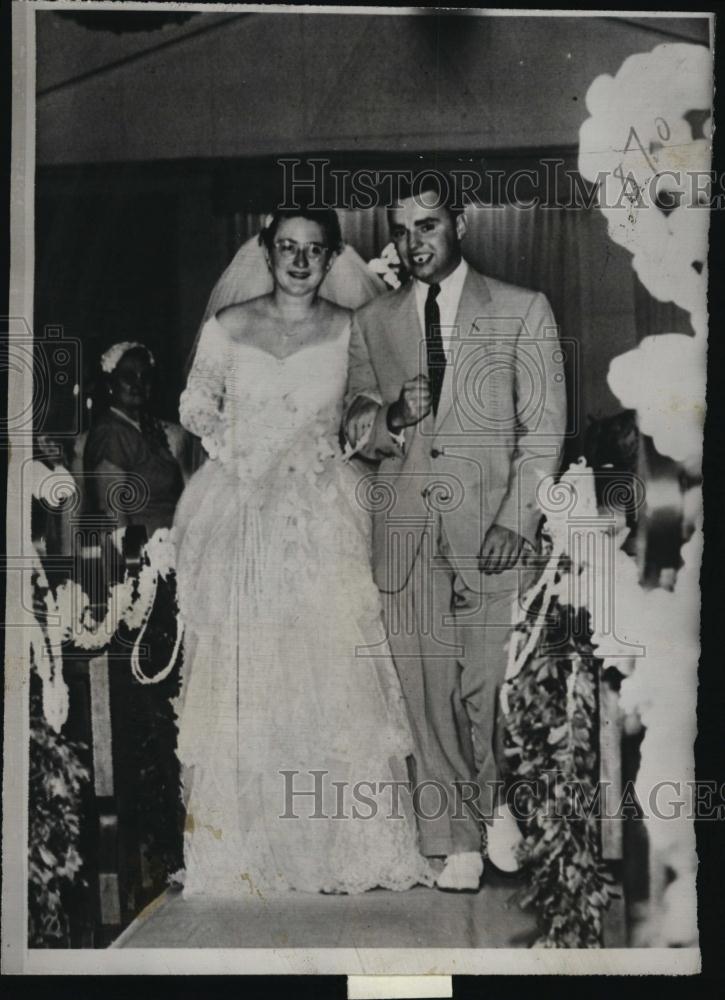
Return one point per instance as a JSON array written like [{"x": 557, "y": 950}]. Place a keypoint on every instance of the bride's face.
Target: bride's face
[{"x": 299, "y": 258}]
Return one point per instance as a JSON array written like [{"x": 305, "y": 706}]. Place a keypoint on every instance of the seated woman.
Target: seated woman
[{"x": 136, "y": 458}]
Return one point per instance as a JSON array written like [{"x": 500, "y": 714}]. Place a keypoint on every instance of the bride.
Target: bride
[{"x": 292, "y": 726}]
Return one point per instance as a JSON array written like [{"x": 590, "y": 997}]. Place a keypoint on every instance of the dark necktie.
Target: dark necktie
[{"x": 434, "y": 345}]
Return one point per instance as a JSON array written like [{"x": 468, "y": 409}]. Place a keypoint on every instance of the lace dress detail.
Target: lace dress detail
[{"x": 289, "y": 682}]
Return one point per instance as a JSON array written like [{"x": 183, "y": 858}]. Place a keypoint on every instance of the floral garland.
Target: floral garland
[
  {"x": 63, "y": 619},
  {"x": 151, "y": 768},
  {"x": 549, "y": 700},
  {"x": 57, "y": 781},
  {"x": 551, "y": 729}
]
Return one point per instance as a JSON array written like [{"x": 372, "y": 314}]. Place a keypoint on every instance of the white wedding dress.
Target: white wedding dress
[{"x": 287, "y": 670}]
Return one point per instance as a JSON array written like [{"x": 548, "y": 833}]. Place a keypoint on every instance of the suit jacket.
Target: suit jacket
[{"x": 497, "y": 433}]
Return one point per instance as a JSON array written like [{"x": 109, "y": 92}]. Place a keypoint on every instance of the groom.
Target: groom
[{"x": 456, "y": 389}]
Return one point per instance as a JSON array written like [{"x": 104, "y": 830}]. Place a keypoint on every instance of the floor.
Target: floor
[{"x": 420, "y": 917}]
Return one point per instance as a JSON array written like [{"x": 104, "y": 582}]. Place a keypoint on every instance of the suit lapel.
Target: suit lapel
[
  {"x": 474, "y": 300},
  {"x": 404, "y": 334}
]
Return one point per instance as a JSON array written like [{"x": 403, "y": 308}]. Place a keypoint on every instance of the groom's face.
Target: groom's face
[{"x": 427, "y": 239}]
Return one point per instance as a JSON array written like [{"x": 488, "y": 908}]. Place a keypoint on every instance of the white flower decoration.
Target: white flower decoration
[
  {"x": 387, "y": 265},
  {"x": 161, "y": 553},
  {"x": 663, "y": 379},
  {"x": 113, "y": 355}
]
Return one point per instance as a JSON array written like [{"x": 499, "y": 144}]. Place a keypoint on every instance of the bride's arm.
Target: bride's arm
[{"x": 201, "y": 402}]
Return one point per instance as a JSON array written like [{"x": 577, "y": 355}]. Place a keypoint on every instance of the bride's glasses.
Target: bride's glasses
[{"x": 290, "y": 248}]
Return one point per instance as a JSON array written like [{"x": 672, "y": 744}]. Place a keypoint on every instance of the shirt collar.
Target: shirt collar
[{"x": 451, "y": 287}]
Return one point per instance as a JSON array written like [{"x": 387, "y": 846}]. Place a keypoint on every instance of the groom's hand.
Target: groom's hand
[
  {"x": 360, "y": 419},
  {"x": 500, "y": 550},
  {"x": 413, "y": 404}
]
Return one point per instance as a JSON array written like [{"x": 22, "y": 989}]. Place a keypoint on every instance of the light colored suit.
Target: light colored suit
[{"x": 498, "y": 431}]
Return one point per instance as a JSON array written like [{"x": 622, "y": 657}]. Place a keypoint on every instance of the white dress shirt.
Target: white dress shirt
[{"x": 448, "y": 300}]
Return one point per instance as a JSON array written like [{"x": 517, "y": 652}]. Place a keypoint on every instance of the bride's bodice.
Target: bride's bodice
[
  {"x": 251, "y": 408},
  {"x": 276, "y": 503},
  {"x": 305, "y": 385}
]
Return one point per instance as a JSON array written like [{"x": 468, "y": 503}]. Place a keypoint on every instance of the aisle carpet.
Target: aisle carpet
[{"x": 417, "y": 918}]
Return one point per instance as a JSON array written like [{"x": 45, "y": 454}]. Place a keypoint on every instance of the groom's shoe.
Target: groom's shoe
[
  {"x": 503, "y": 840},
  {"x": 461, "y": 873}
]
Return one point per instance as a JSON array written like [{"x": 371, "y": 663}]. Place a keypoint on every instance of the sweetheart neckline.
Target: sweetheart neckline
[{"x": 301, "y": 350}]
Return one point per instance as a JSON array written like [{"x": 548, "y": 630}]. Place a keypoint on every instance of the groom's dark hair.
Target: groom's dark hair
[{"x": 432, "y": 188}]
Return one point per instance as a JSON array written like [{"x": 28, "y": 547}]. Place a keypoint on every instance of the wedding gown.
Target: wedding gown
[{"x": 287, "y": 669}]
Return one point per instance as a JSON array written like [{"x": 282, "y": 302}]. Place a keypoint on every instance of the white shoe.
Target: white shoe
[
  {"x": 462, "y": 872},
  {"x": 503, "y": 839}
]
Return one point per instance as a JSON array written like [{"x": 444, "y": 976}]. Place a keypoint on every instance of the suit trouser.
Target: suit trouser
[{"x": 448, "y": 643}]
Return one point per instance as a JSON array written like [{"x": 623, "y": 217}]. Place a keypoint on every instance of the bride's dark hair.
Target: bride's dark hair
[{"x": 326, "y": 218}]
